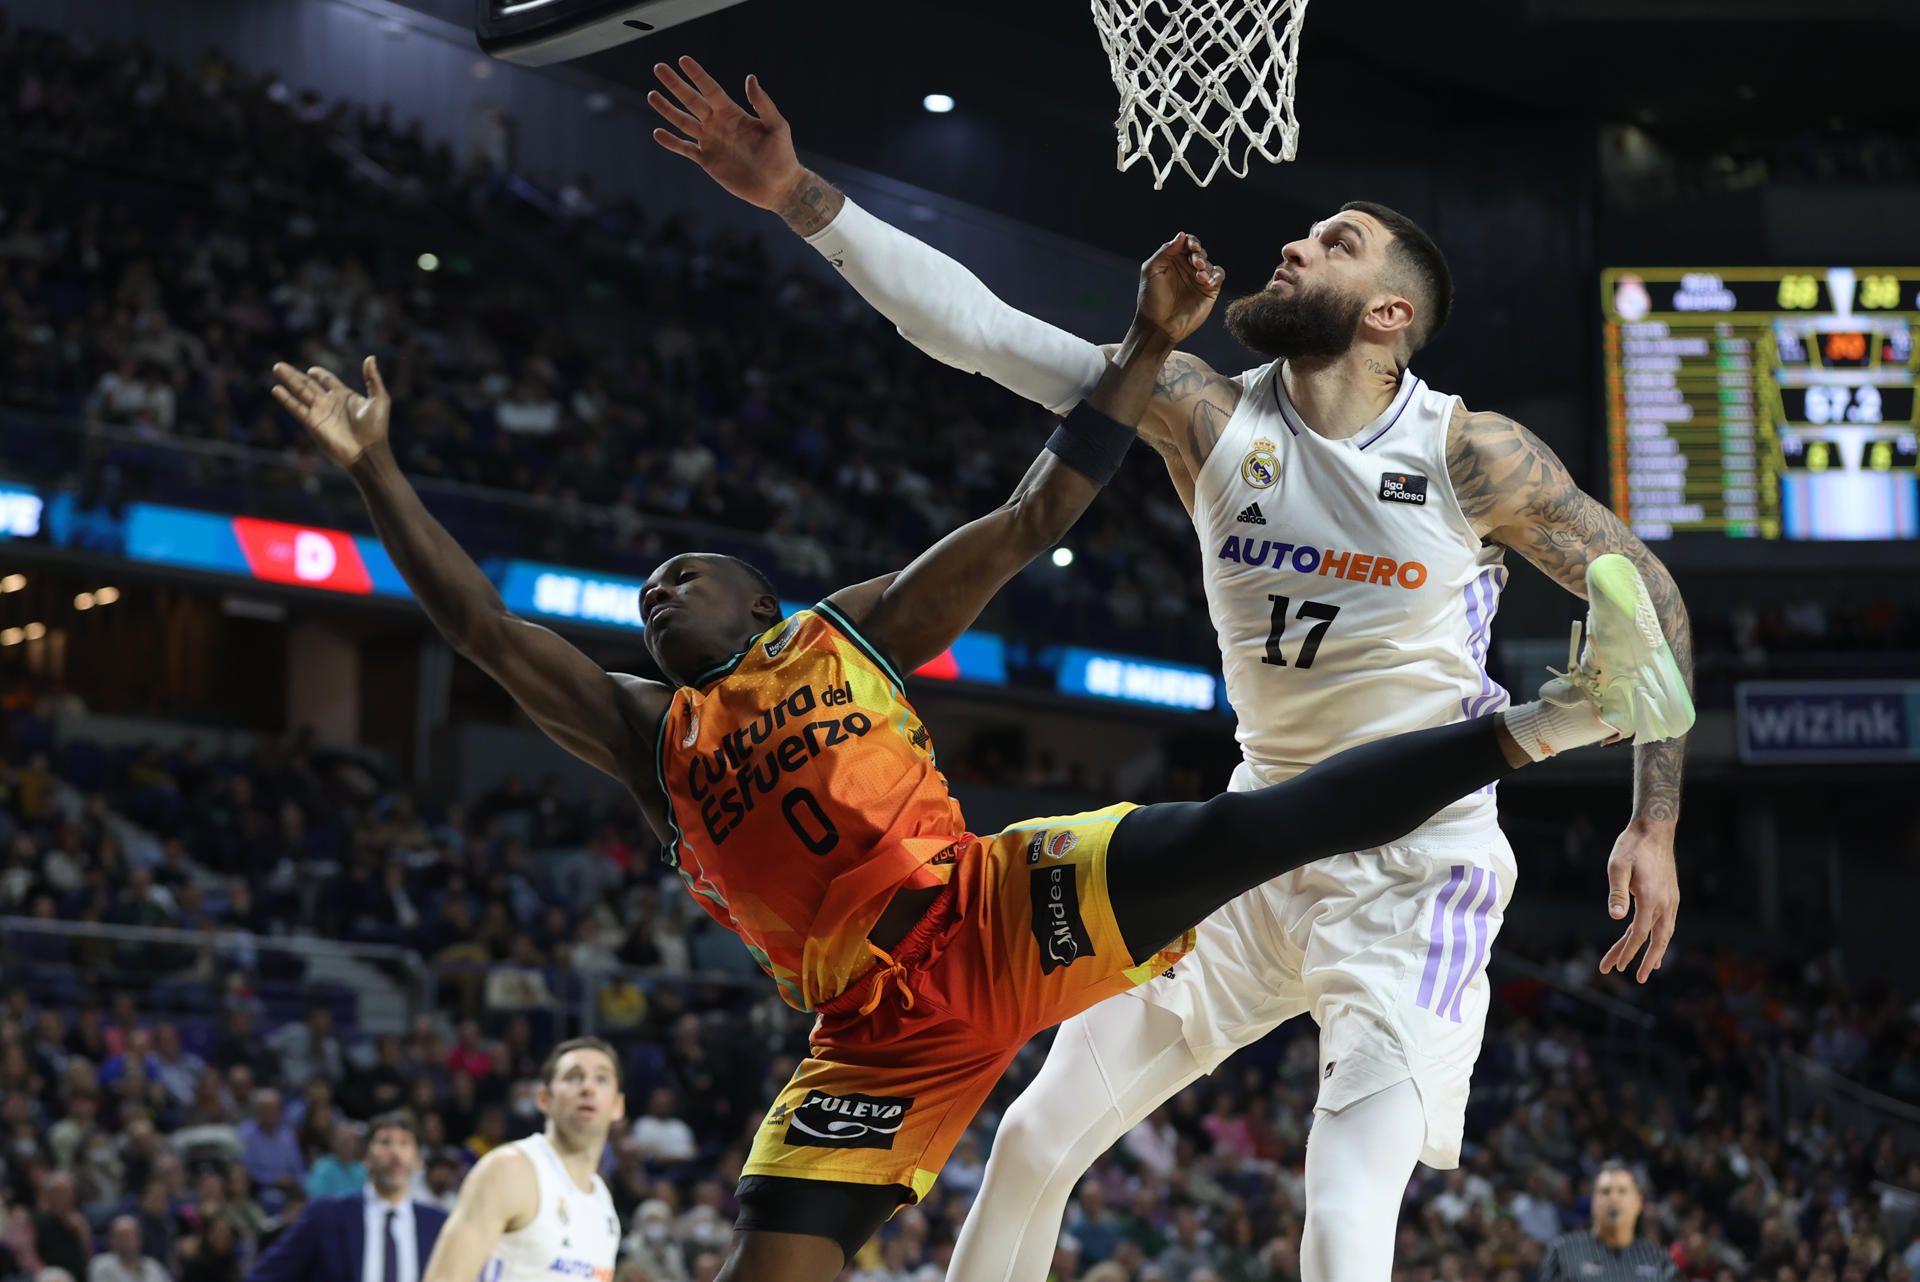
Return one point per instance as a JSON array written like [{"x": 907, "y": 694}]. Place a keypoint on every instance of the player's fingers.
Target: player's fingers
[
  {"x": 289, "y": 402},
  {"x": 1215, "y": 277},
  {"x": 685, "y": 122},
  {"x": 1619, "y": 878},
  {"x": 1611, "y": 961},
  {"x": 294, "y": 381},
  {"x": 688, "y": 96},
  {"x": 677, "y": 145},
  {"x": 370, "y": 370},
  {"x": 762, "y": 102},
  {"x": 709, "y": 87},
  {"x": 327, "y": 379},
  {"x": 1657, "y": 950}
]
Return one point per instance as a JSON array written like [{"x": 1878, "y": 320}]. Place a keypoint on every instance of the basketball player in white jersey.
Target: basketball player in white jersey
[
  {"x": 1353, "y": 525},
  {"x": 537, "y": 1210}
]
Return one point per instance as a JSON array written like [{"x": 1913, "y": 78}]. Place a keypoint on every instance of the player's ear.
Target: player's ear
[
  {"x": 766, "y": 608},
  {"x": 1391, "y": 316}
]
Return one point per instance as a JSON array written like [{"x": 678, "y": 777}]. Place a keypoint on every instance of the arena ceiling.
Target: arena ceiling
[{"x": 1400, "y": 81}]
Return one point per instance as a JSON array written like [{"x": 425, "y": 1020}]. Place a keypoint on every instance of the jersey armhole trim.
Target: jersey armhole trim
[
  {"x": 847, "y": 628},
  {"x": 672, "y": 852},
  {"x": 1454, "y": 508}
]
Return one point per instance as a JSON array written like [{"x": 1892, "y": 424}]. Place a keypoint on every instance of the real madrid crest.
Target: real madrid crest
[{"x": 1261, "y": 467}]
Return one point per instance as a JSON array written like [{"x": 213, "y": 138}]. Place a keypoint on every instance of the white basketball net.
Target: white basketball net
[{"x": 1214, "y": 72}]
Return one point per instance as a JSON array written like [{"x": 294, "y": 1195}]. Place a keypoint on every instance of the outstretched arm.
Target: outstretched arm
[
  {"x": 606, "y": 719},
  {"x": 1517, "y": 493},
  {"x": 915, "y": 615},
  {"x": 937, "y": 304}
]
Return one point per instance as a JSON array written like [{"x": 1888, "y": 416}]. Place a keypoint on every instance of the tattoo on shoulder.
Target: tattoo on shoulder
[
  {"x": 1195, "y": 405},
  {"x": 1516, "y": 491}
]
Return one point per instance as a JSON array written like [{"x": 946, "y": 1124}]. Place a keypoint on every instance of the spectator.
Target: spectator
[
  {"x": 175, "y": 1068},
  {"x": 269, "y": 1150},
  {"x": 341, "y": 1171},
  {"x": 309, "y": 1049},
  {"x": 123, "y": 1260},
  {"x": 650, "y": 1244},
  {"x": 660, "y": 1134},
  {"x": 60, "y": 1234}
]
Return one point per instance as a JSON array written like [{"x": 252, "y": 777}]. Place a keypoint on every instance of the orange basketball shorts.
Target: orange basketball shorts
[{"x": 1022, "y": 938}]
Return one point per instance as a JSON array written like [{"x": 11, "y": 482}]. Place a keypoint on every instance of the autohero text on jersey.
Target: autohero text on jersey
[
  {"x": 1355, "y": 567},
  {"x": 751, "y": 761}
]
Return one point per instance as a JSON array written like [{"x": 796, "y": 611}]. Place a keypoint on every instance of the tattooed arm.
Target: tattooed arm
[
  {"x": 1517, "y": 493},
  {"x": 1191, "y": 406}
]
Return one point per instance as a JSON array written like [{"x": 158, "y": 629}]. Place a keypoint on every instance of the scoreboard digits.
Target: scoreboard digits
[{"x": 1764, "y": 402}]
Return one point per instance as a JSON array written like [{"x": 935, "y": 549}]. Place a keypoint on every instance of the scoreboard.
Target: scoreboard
[{"x": 1762, "y": 402}]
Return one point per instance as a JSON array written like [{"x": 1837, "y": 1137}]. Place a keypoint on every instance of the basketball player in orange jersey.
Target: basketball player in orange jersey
[{"x": 795, "y": 790}]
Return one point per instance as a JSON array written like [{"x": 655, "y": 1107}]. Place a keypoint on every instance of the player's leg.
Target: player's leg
[
  {"x": 1358, "y": 1163},
  {"x": 1359, "y": 799},
  {"x": 1110, "y": 1067},
  {"x": 797, "y": 1230}
]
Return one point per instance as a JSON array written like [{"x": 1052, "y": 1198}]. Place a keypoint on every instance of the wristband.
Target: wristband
[{"x": 1090, "y": 442}]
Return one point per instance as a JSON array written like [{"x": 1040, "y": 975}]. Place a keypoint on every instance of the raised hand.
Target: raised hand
[
  {"x": 1178, "y": 288},
  {"x": 343, "y": 421},
  {"x": 749, "y": 154}
]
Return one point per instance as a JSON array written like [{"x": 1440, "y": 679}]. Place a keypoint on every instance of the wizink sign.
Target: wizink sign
[{"x": 1828, "y": 721}]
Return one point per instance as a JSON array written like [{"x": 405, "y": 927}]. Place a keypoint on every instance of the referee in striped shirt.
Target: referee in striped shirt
[{"x": 1610, "y": 1251}]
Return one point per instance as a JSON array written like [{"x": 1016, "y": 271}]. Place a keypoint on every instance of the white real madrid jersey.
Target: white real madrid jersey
[
  {"x": 1351, "y": 596},
  {"x": 573, "y": 1235}
]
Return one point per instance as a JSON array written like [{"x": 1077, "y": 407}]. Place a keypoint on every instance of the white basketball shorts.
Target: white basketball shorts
[{"x": 1387, "y": 950}]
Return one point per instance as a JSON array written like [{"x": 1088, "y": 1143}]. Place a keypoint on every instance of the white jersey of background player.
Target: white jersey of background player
[
  {"x": 537, "y": 1210},
  {"x": 1352, "y": 524}
]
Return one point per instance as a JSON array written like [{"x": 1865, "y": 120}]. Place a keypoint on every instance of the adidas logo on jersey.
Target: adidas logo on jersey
[{"x": 1251, "y": 515}]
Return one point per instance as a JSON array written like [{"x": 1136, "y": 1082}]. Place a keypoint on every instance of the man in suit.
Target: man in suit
[{"x": 381, "y": 1235}]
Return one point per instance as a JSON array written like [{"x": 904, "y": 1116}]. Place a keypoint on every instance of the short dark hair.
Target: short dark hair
[
  {"x": 753, "y": 572},
  {"x": 1425, "y": 267},
  {"x": 398, "y": 1120},
  {"x": 551, "y": 1063},
  {"x": 1617, "y": 1167}
]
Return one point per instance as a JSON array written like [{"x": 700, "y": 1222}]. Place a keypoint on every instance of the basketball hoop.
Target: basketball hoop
[{"x": 1212, "y": 73}]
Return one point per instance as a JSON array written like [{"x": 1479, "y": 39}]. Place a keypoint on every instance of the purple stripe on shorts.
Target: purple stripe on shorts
[
  {"x": 1480, "y": 932},
  {"x": 1435, "y": 943},
  {"x": 1457, "y": 933}
]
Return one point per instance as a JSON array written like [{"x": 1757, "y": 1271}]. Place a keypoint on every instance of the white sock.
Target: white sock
[{"x": 1543, "y": 729}]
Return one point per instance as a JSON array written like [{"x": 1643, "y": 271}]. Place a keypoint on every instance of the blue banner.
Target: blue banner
[
  {"x": 1127, "y": 679},
  {"x": 1829, "y": 722}
]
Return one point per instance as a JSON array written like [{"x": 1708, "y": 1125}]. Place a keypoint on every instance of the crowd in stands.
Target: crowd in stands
[
  {"x": 194, "y": 1096},
  {"x": 717, "y": 395}
]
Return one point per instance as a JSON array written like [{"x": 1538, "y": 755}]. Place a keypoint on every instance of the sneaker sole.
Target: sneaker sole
[{"x": 1656, "y": 694}]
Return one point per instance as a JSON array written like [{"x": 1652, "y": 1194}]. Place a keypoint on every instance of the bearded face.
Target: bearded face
[{"x": 1297, "y": 322}]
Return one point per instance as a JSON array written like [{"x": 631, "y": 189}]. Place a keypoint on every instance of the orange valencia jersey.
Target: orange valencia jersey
[{"x": 802, "y": 792}]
